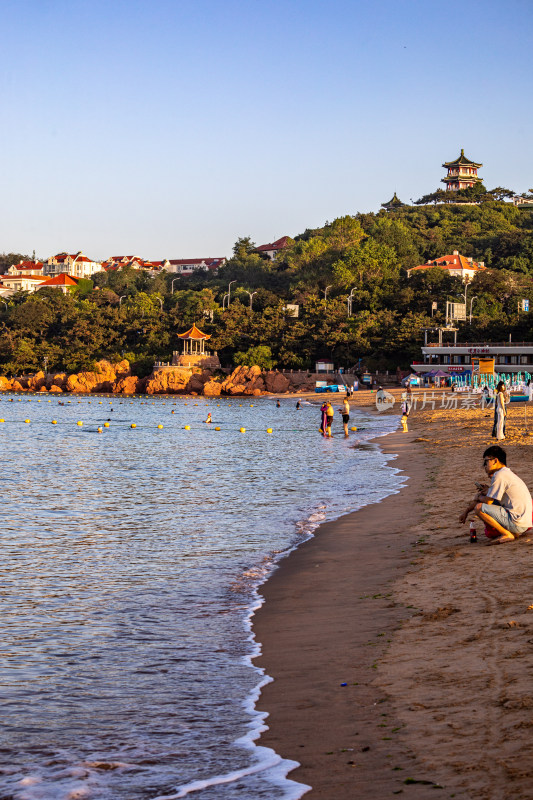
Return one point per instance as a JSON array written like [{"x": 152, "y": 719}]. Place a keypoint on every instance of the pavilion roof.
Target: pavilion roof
[
  {"x": 194, "y": 333},
  {"x": 395, "y": 202},
  {"x": 462, "y": 161}
]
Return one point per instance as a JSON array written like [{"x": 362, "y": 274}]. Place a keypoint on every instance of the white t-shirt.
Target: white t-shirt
[{"x": 513, "y": 494}]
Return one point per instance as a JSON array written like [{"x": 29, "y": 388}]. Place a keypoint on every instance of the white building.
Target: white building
[
  {"x": 186, "y": 266},
  {"x": 456, "y": 265},
  {"x": 17, "y": 283},
  {"x": 77, "y": 265}
]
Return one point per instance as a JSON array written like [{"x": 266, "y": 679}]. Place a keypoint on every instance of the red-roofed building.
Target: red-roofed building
[
  {"x": 186, "y": 266},
  {"x": 273, "y": 248},
  {"x": 456, "y": 265},
  {"x": 17, "y": 283},
  {"x": 63, "y": 281},
  {"x": 26, "y": 268},
  {"x": 77, "y": 265}
]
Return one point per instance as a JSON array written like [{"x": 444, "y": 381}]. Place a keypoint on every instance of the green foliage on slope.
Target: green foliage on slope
[{"x": 367, "y": 255}]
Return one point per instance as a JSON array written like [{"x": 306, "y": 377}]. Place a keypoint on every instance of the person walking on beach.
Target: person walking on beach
[
  {"x": 500, "y": 412},
  {"x": 505, "y": 505},
  {"x": 329, "y": 414},
  {"x": 345, "y": 411}
]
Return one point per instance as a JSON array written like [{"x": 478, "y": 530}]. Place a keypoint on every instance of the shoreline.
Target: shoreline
[
  {"x": 323, "y": 606},
  {"x": 431, "y": 635}
]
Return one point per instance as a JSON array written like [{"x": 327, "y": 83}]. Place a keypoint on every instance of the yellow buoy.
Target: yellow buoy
[
  {"x": 99, "y": 430},
  {"x": 133, "y": 425},
  {"x": 251, "y": 405},
  {"x": 242, "y": 430},
  {"x": 106, "y": 424},
  {"x": 353, "y": 428},
  {"x": 79, "y": 422},
  {"x": 2, "y": 420},
  {"x": 54, "y": 422},
  {"x": 187, "y": 427},
  {"x": 100, "y": 403},
  {"x": 160, "y": 426},
  {"x": 29, "y": 399},
  {"x": 217, "y": 429},
  {"x": 269, "y": 430},
  {"x": 69, "y": 401},
  {"x": 26, "y": 420}
]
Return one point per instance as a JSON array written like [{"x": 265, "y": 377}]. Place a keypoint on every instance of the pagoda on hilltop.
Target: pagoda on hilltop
[
  {"x": 462, "y": 173},
  {"x": 393, "y": 204}
]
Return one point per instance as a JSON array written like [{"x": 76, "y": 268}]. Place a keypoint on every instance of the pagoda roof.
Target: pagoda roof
[
  {"x": 394, "y": 202},
  {"x": 194, "y": 333},
  {"x": 462, "y": 161}
]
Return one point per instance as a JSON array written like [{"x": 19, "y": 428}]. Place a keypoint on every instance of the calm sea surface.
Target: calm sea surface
[{"x": 131, "y": 566}]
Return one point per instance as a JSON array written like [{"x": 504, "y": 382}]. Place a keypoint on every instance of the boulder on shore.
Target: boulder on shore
[{"x": 167, "y": 381}]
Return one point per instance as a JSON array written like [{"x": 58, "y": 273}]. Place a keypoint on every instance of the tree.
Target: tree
[
  {"x": 243, "y": 247},
  {"x": 260, "y": 355}
]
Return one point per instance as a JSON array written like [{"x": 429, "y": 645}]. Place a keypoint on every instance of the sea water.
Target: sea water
[{"x": 132, "y": 563}]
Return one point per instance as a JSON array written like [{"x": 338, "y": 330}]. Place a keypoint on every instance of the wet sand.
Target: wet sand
[{"x": 432, "y": 635}]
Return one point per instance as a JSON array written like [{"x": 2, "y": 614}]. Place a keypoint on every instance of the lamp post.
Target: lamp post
[
  {"x": 173, "y": 282},
  {"x": 229, "y": 291},
  {"x": 224, "y": 301},
  {"x": 161, "y": 302},
  {"x": 251, "y": 295},
  {"x": 121, "y": 299},
  {"x": 471, "y": 301},
  {"x": 350, "y": 299},
  {"x": 326, "y": 292},
  {"x": 4, "y": 303}
]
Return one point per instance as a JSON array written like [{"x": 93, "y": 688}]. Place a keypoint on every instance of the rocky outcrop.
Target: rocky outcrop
[
  {"x": 212, "y": 389},
  {"x": 276, "y": 382},
  {"x": 117, "y": 378},
  {"x": 168, "y": 381},
  {"x": 59, "y": 380},
  {"x": 100, "y": 380},
  {"x": 131, "y": 384}
]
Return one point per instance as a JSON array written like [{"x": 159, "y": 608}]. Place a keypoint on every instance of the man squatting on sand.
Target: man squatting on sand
[{"x": 506, "y": 504}]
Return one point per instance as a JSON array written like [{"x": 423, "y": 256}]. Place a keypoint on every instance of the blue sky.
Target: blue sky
[{"x": 169, "y": 129}]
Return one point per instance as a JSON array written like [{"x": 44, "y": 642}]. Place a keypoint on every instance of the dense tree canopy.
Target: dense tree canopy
[{"x": 132, "y": 314}]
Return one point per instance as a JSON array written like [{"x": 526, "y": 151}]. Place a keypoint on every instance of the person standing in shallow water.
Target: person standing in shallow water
[
  {"x": 329, "y": 414},
  {"x": 345, "y": 411},
  {"x": 324, "y": 419},
  {"x": 500, "y": 412}
]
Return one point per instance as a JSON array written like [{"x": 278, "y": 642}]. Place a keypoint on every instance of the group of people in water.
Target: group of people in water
[{"x": 327, "y": 415}]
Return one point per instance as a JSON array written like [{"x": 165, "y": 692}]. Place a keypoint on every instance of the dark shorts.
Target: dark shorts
[{"x": 345, "y": 418}]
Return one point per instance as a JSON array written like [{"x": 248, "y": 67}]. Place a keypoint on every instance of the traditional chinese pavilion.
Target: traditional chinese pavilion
[
  {"x": 194, "y": 354},
  {"x": 393, "y": 204},
  {"x": 462, "y": 173}
]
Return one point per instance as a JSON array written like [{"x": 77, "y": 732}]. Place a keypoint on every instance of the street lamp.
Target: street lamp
[
  {"x": 229, "y": 291},
  {"x": 350, "y": 299},
  {"x": 4, "y": 303},
  {"x": 251, "y": 295},
  {"x": 121, "y": 299},
  {"x": 173, "y": 282},
  {"x": 160, "y": 301},
  {"x": 224, "y": 301},
  {"x": 326, "y": 291},
  {"x": 471, "y": 301}
]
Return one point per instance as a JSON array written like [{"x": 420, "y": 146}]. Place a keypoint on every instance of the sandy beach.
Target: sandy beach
[{"x": 400, "y": 652}]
